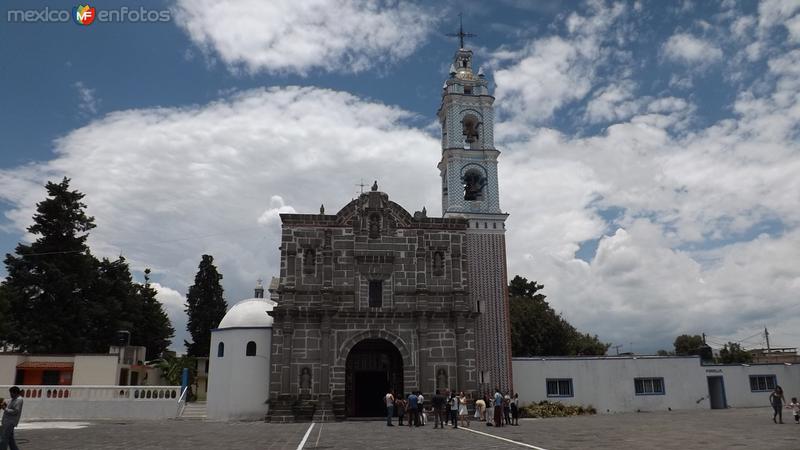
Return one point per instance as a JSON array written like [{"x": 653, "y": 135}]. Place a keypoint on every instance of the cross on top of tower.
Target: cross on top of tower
[{"x": 461, "y": 34}]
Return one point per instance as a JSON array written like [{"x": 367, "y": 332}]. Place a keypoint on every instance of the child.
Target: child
[{"x": 795, "y": 407}]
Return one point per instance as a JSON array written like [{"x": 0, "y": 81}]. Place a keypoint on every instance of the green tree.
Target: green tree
[
  {"x": 688, "y": 345},
  {"x": 48, "y": 281},
  {"x": 205, "y": 307},
  {"x": 172, "y": 366},
  {"x": 153, "y": 328},
  {"x": 537, "y": 330},
  {"x": 4, "y": 315},
  {"x": 58, "y": 298},
  {"x": 732, "y": 353}
]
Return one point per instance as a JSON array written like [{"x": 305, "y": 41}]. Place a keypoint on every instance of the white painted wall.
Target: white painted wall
[
  {"x": 8, "y": 369},
  {"x": 607, "y": 383},
  {"x": 238, "y": 385},
  {"x": 95, "y": 370},
  {"x": 737, "y": 382},
  {"x": 99, "y": 402}
]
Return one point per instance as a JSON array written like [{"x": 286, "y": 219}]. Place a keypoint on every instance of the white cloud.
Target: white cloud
[
  {"x": 551, "y": 72},
  {"x": 88, "y": 98},
  {"x": 774, "y": 12},
  {"x": 704, "y": 188},
  {"x": 299, "y": 37},
  {"x": 614, "y": 102},
  {"x": 277, "y": 207},
  {"x": 690, "y": 50},
  {"x": 174, "y": 304},
  {"x": 167, "y": 185}
]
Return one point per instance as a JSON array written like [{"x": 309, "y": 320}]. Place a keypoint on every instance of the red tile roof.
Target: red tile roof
[{"x": 45, "y": 365}]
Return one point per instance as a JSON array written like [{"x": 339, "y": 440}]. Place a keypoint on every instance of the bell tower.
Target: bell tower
[{"x": 468, "y": 170}]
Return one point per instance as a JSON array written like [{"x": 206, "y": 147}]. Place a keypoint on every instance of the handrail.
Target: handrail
[{"x": 182, "y": 401}]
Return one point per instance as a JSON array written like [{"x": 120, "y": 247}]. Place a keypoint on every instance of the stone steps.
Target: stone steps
[{"x": 194, "y": 411}]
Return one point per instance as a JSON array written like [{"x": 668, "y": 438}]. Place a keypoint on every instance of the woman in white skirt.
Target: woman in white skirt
[{"x": 463, "y": 414}]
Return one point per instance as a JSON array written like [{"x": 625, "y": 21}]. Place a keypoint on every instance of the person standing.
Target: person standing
[
  {"x": 454, "y": 404},
  {"x": 463, "y": 413},
  {"x": 489, "y": 409},
  {"x": 447, "y": 406},
  {"x": 776, "y": 400},
  {"x": 413, "y": 419},
  {"x": 12, "y": 411},
  {"x": 421, "y": 408},
  {"x": 507, "y": 409},
  {"x": 389, "y": 399},
  {"x": 400, "y": 406},
  {"x": 795, "y": 407},
  {"x": 498, "y": 408},
  {"x": 515, "y": 410},
  {"x": 438, "y": 410}
]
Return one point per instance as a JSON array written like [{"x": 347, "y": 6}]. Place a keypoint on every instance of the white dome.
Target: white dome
[{"x": 251, "y": 312}]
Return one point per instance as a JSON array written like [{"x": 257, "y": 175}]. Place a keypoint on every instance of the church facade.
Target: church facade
[{"x": 374, "y": 298}]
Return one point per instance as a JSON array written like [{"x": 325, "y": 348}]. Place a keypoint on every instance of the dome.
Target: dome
[{"x": 251, "y": 312}]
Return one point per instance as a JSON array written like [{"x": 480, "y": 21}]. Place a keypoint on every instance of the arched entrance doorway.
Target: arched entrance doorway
[{"x": 373, "y": 366}]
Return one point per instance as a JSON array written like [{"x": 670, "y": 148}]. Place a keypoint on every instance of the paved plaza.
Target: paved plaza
[{"x": 723, "y": 429}]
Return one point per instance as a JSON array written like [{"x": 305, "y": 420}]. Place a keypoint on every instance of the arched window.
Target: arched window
[
  {"x": 473, "y": 181},
  {"x": 251, "y": 349},
  {"x": 220, "y": 350},
  {"x": 471, "y": 128}
]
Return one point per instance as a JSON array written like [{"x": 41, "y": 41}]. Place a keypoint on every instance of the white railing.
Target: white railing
[
  {"x": 92, "y": 402},
  {"x": 139, "y": 393},
  {"x": 182, "y": 401}
]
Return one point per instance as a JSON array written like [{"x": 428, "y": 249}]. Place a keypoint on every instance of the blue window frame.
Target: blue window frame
[
  {"x": 649, "y": 386},
  {"x": 763, "y": 383},
  {"x": 559, "y": 387}
]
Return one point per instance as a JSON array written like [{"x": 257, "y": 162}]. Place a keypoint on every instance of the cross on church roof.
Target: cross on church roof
[{"x": 461, "y": 35}]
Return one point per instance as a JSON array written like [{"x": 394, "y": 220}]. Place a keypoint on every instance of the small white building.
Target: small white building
[
  {"x": 238, "y": 372},
  {"x": 650, "y": 383}
]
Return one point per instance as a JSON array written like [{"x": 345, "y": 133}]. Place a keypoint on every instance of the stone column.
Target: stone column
[
  {"x": 288, "y": 343},
  {"x": 460, "y": 326},
  {"x": 422, "y": 341},
  {"x": 325, "y": 354}
]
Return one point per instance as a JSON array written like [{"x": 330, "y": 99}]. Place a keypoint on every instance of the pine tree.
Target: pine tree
[
  {"x": 4, "y": 316},
  {"x": 48, "y": 281},
  {"x": 58, "y": 298},
  {"x": 205, "y": 307},
  {"x": 153, "y": 329}
]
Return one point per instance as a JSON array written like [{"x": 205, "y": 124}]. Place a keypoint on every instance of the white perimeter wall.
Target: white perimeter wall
[
  {"x": 238, "y": 385},
  {"x": 99, "y": 402},
  {"x": 95, "y": 370},
  {"x": 8, "y": 370},
  {"x": 607, "y": 383},
  {"x": 737, "y": 382}
]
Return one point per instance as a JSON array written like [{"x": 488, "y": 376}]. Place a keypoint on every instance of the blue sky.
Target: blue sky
[{"x": 650, "y": 149}]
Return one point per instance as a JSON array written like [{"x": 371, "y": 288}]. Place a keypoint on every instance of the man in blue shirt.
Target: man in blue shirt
[
  {"x": 498, "y": 408},
  {"x": 413, "y": 416}
]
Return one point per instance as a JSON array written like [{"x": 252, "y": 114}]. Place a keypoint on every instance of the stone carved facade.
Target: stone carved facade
[{"x": 386, "y": 295}]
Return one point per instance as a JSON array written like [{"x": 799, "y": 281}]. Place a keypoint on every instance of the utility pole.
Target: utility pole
[
  {"x": 766, "y": 335},
  {"x": 617, "y": 347},
  {"x": 704, "y": 339}
]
